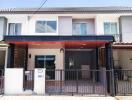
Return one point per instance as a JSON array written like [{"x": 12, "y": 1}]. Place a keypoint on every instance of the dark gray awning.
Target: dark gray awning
[{"x": 57, "y": 38}]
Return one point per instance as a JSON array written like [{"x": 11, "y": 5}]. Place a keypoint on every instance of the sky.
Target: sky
[{"x": 63, "y": 3}]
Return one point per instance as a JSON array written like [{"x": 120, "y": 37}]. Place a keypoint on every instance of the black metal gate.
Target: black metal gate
[
  {"x": 76, "y": 81},
  {"x": 2, "y": 81},
  {"x": 29, "y": 80},
  {"x": 123, "y": 82}
]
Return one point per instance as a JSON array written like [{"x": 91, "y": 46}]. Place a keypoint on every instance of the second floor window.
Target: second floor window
[
  {"x": 80, "y": 28},
  {"x": 14, "y": 29},
  {"x": 45, "y": 27},
  {"x": 110, "y": 28}
]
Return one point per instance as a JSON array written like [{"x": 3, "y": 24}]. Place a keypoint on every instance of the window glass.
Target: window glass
[
  {"x": 80, "y": 28},
  {"x": 107, "y": 28},
  {"x": 83, "y": 29},
  {"x": 14, "y": 29},
  {"x": 40, "y": 27},
  {"x": 76, "y": 29},
  {"x": 51, "y": 26},
  {"x": 48, "y": 62},
  {"x": 114, "y": 28},
  {"x": 45, "y": 27},
  {"x": 110, "y": 28}
]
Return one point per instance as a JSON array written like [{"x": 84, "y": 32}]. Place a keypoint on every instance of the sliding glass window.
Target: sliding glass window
[
  {"x": 110, "y": 28},
  {"x": 80, "y": 28},
  {"x": 45, "y": 27},
  {"x": 14, "y": 29}
]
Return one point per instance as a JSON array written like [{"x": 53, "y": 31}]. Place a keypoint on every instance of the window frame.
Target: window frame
[
  {"x": 110, "y": 23},
  {"x": 8, "y": 32},
  {"x": 80, "y": 34},
  {"x": 45, "y": 33}
]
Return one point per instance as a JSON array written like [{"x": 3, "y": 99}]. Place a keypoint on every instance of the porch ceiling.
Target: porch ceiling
[{"x": 61, "y": 41}]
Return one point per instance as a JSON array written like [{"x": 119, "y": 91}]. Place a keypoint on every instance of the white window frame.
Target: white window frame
[
  {"x": 110, "y": 28},
  {"x": 46, "y": 33},
  {"x": 80, "y": 23},
  {"x": 13, "y": 23}
]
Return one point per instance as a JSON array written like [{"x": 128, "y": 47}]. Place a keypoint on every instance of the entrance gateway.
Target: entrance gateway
[{"x": 41, "y": 61}]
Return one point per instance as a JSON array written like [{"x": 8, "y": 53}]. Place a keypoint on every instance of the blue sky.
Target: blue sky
[{"x": 63, "y": 3}]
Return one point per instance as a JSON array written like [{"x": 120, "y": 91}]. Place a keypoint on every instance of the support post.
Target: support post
[
  {"x": 39, "y": 81},
  {"x": 109, "y": 68}
]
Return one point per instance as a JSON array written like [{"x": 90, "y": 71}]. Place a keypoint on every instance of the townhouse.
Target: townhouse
[{"x": 83, "y": 50}]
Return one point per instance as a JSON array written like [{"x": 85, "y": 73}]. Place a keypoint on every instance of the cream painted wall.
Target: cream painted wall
[
  {"x": 18, "y": 19},
  {"x": 59, "y": 57},
  {"x": 116, "y": 58},
  {"x": 124, "y": 57},
  {"x": 100, "y": 19}
]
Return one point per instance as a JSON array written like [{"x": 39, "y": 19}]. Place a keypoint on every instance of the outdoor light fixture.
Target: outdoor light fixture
[
  {"x": 83, "y": 44},
  {"x": 71, "y": 62},
  {"x": 29, "y": 55},
  {"x": 62, "y": 50}
]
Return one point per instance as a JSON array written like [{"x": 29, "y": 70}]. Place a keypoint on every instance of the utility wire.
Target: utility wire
[{"x": 43, "y": 3}]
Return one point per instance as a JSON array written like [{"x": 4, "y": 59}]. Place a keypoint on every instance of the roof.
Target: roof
[{"x": 67, "y": 10}]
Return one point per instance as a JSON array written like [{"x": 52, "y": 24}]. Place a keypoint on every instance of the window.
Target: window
[
  {"x": 48, "y": 62},
  {"x": 80, "y": 28},
  {"x": 110, "y": 28},
  {"x": 45, "y": 27},
  {"x": 14, "y": 29}
]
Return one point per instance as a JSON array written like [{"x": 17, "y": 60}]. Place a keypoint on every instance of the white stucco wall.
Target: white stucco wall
[
  {"x": 13, "y": 81},
  {"x": 59, "y": 57}
]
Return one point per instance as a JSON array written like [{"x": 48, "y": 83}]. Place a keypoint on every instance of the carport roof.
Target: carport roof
[{"x": 58, "y": 38}]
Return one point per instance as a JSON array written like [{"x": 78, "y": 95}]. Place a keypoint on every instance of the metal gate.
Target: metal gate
[
  {"x": 123, "y": 82},
  {"x": 76, "y": 81},
  {"x": 2, "y": 81},
  {"x": 29, "y": 80}
]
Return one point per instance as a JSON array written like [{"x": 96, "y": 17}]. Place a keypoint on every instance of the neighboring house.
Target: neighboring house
[
  {"x": 73, "y": 44},
  {"x": 3, "y": 46}
]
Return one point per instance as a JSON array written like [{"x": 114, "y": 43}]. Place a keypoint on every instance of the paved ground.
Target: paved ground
[
  {"x": 123, "y": 97},
  {"x": 64, "y": 98},
  {"x": 54, "y": 98}
]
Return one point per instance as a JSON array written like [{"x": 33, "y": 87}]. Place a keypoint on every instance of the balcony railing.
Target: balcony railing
[{"x": 117, "y": 37}]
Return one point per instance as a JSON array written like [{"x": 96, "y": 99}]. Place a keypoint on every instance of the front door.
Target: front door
[{"x": 48, "y": 62}]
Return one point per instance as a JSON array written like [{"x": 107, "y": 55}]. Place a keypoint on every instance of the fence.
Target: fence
[
  {"x": 1, "y": 81},
  {"x": 82, "y": 82},
  {"x": 79, "y": 81},
  {"x": 123, "y": 82},
  {"x": 29, "y": 80}
]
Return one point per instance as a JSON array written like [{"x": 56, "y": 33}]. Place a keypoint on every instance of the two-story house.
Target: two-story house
[{"x": 73, "y": 44}]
